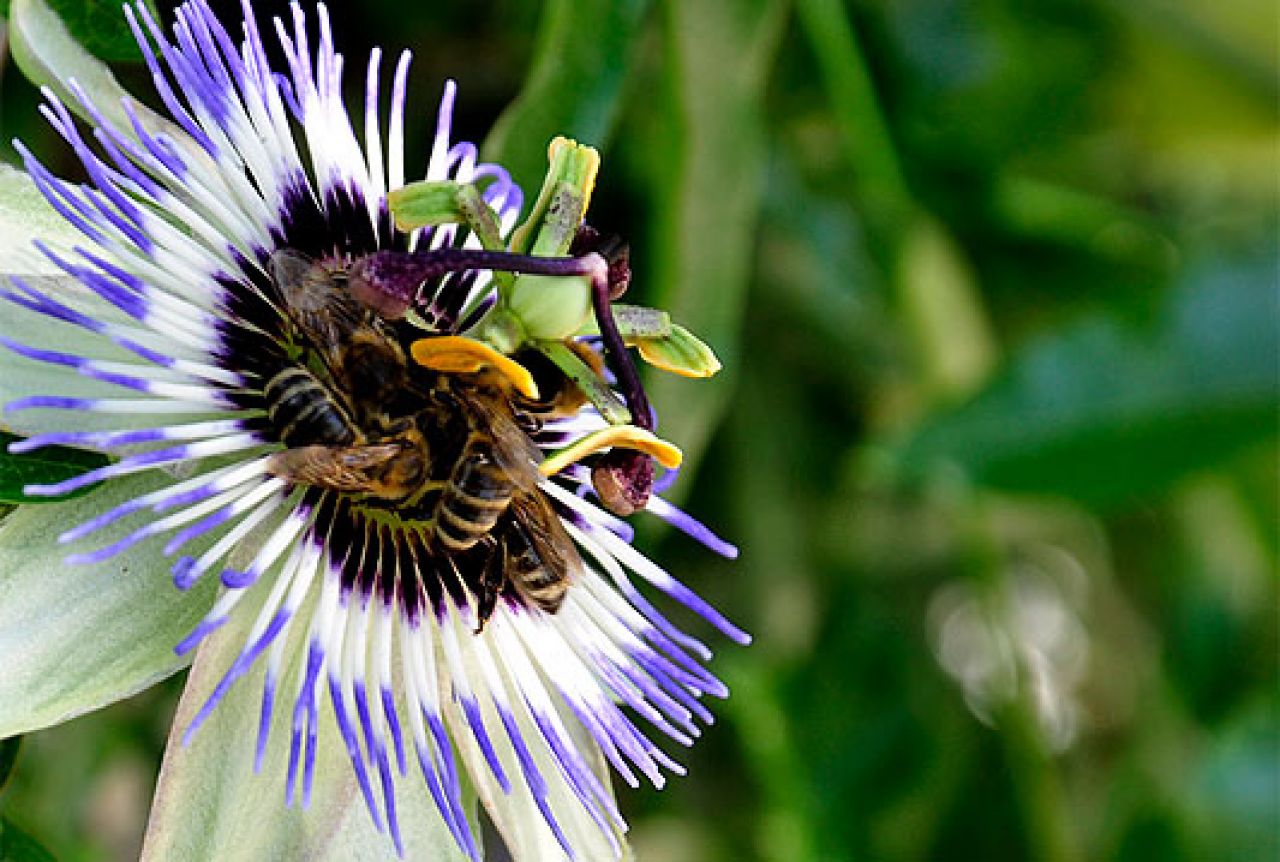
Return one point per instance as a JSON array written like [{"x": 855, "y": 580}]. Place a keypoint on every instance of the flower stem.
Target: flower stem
[{"x": 1036, "y": 782}]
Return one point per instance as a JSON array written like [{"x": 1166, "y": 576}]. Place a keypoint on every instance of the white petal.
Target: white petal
[
  {"x": 21, "y": 377},
  {"x": 76, "y": 638},
  {"x": 516, "y": 815},
  {"x": 211, "y": 805}
]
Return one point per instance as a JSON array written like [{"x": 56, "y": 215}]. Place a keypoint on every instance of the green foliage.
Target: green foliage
[
  {"x": 705, "y": 149},
  {"x": 99, "y": 25},
  {"x": 44, "y": 466},
  {"x": 573, "y": 86},
  {"x": 18, "y": 846},
  {"x": 8, "y": 757},
  {"x": 1111, "y": 409}
]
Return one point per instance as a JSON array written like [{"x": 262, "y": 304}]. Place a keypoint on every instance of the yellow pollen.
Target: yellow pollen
[
  {"x": 455, "y": 354},
  {"x": 621, "y": 436}
]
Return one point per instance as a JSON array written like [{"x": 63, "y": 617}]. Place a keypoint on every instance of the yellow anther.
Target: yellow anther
[
  {"x": 619, "y": 436},
  {"x": 455, "y": 354}
]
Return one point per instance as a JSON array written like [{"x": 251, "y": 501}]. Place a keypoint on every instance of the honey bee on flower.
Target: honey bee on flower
[{"x": 401, "y": 427}]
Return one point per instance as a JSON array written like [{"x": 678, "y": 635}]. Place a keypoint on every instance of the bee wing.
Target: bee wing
[
  {"x": 512, "y": 449},
  {"x": 338, "y": 468},
  {"x": 546, "y": 533},
  {"x": 316, "y": 297},
  {"x": 289, "y": 267}
]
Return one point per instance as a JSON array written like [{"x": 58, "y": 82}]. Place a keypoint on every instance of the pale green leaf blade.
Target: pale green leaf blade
[
  {"x": 210, "y": 804},
  {"x": 75, "y": 638},
  {"x": 21, "y": 377},
  {"x": 50, "y": 56},
  {"x": 26, "y": 216}
]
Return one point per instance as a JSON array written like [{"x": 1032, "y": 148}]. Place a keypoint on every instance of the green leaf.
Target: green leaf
[
  {"x": 581, "y": 59},
  {"x": 48, "y": 53},
  {"x": 18, "y": 846},
  {"x": 21, "y": 377},
  {"x": 8, "y": 756},
  {"x": 47, "y": 465},
  {"x": 707, "y": 158},
  {"x": 681, "y": 353},
  {"x": 1108, "y": 411},
  {"x": 210, "y": 804},
  {"x": 78, "y": 637}
]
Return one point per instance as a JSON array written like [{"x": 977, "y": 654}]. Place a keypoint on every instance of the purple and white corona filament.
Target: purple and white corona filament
[{"x": 184, "y": 328}]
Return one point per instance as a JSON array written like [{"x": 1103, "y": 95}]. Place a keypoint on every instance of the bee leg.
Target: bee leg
[{"x": 491, "y": 578}]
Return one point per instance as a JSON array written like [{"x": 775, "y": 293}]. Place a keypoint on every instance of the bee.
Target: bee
[
  {"x": 491, "y": 501},
  {"x": 359, "y": 420},
  {"x": 339, "y": 433}
]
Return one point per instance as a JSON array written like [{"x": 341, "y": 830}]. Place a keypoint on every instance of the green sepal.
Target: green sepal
[
  {"x": 634, "y": 322},
  {"x": 44, "y": 466},
  {"x": 610, "y": 406},
  {"x": 681, "y": 352},
  {"x": 48, "y": 49}
]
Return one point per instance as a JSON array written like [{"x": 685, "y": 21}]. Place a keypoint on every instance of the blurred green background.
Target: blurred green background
[{"x": 995, "y": 286}]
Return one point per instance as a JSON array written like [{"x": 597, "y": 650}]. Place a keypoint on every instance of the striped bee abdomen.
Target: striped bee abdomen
[
  {"x": 479, "y": 490},
  {"x": 304, "y": 412},
  {"x": 538, "y": 578}
]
